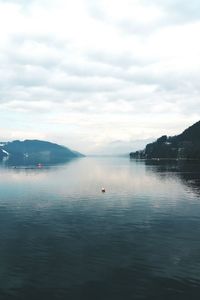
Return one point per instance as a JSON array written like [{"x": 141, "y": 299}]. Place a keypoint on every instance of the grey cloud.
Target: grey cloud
[
  {"x": 25, "y": 4},
  {"x": 174, "y": 12},
  {"x": 145, "y": 73},
  {"x": 125, "y": 87},
  {"x": 86, "y": 85},
  {"x": 16, "y": 1},
  {"x": 95, "y": 10},
  {"x": 134, "y": 28},
  {"x": 179, "y": 10},
  {"x": 123, "y": 60},
  {"x": 126, "y": 25},
  {"x": 20, "y": 2},
  {"x": 46, "y": 39},
  {"x": 23, "y": 76},
  {"x": 21, "y": 53},
  {"x": 87, "y": 69},
  {"x": 107, "y": 73}
]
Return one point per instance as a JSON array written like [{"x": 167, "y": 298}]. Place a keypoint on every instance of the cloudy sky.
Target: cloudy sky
[{"x": 90, "y": 73}]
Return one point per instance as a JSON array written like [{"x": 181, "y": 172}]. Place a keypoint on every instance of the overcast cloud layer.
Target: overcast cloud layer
[{"x": 87, "y": 73}]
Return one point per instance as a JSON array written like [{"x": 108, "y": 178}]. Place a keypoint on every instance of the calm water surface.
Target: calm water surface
[{"x": 61, "y": 238}]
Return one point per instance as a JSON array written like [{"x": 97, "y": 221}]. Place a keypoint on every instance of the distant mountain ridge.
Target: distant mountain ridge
[
  {"x": 35, "y": 151},
  {"x": 120, "y": 147},
  {"x": 183, "y": 146}
]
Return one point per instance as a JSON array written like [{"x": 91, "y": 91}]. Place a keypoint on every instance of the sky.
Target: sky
[{"x": 90, "y": 74}]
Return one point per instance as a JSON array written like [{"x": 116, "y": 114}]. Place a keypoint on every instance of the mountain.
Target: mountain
[
  {"x": 2, "y": 154},
  {"x": 36, "y": 151},
  {"x": 120, "y": 147},
  {"x": 183, "y": 146}
]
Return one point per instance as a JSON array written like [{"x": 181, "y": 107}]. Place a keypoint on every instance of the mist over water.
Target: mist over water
[{"x": 62, "y": 238}]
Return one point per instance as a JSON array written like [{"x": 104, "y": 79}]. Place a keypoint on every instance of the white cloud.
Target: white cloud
[{"x": 89, "y": 72}]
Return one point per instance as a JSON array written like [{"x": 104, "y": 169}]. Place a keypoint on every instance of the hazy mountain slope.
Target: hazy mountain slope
[{"x": 34, "y": 151}]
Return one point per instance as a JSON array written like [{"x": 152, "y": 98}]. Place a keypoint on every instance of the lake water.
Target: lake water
[{"x": 62, "y": 238}]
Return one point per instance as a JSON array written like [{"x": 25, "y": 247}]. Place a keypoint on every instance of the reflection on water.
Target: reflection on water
[
  {"x": 62, "y": 238},
  {"x": 17, "y": 161},
  {"x": 187, "y": 171}
]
